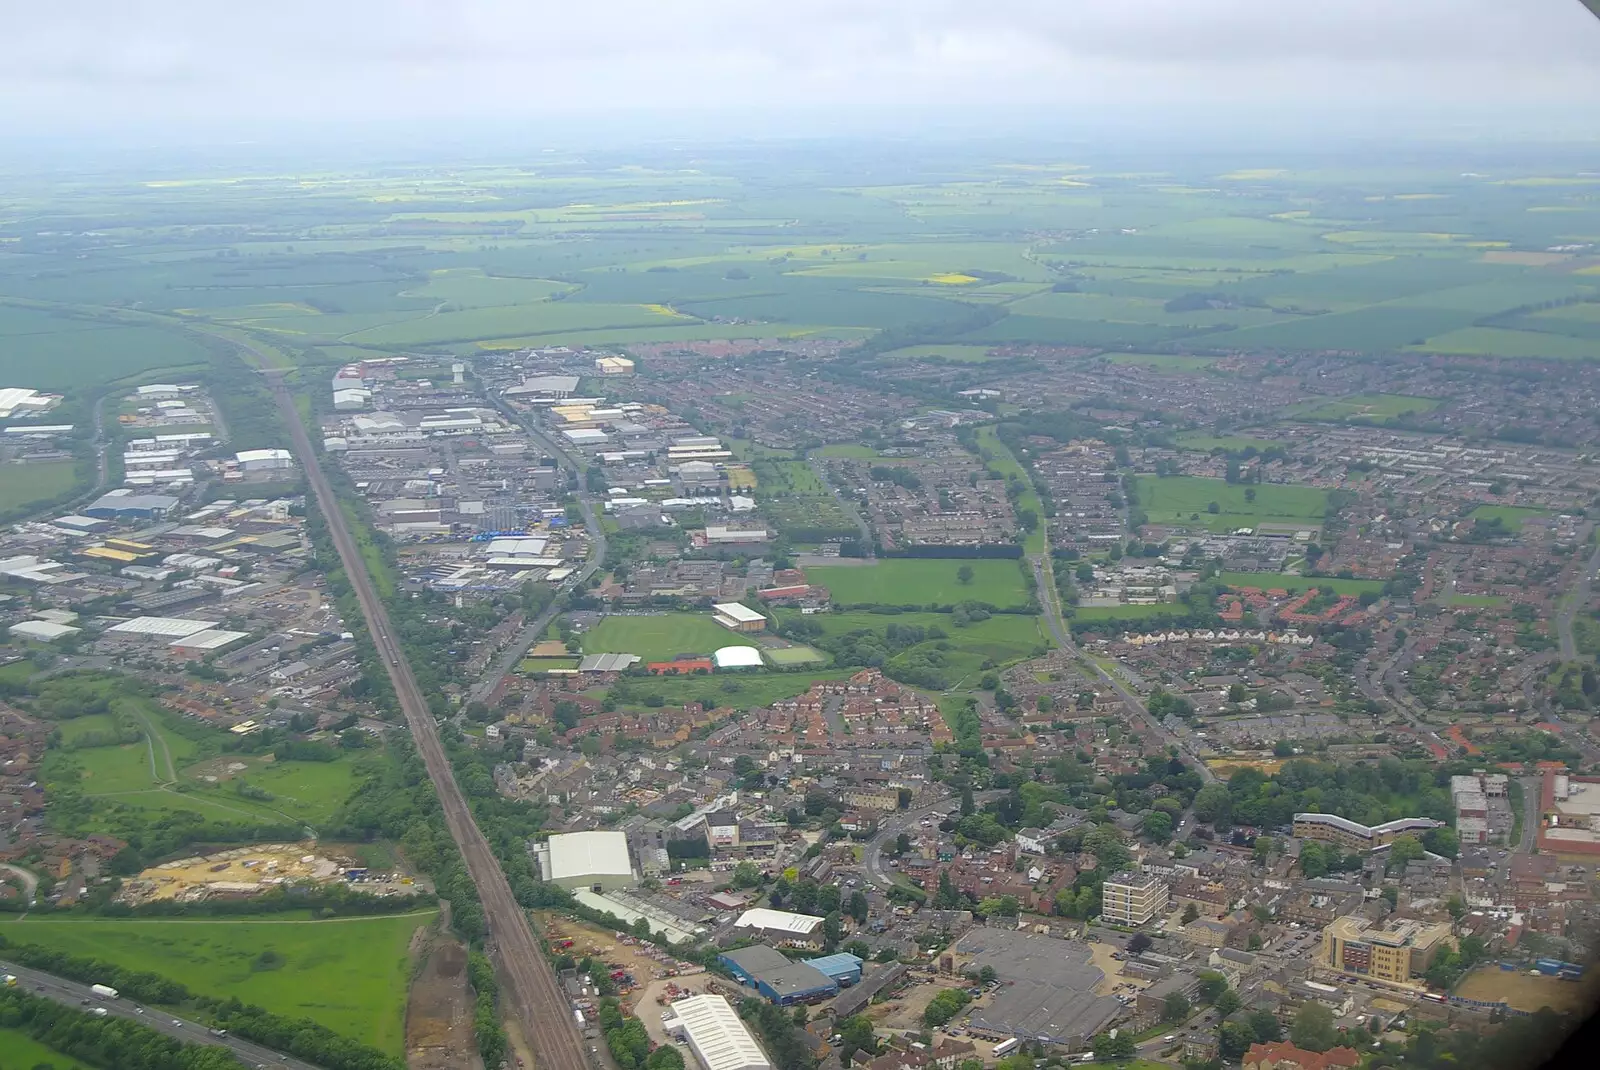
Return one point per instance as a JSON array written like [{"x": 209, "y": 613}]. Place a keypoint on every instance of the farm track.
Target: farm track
[{"x": 532, "y": 997}]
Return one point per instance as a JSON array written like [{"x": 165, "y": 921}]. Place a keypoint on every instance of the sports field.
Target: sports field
[
  {"x": 740, "y": 691},
  {"x": 349, "y": 974},
  {"x": 1364, "y": 408},
  {"x": 905, "y": 581},
  {"x": 1267, "y": 581},
  {"x": 1511, "y": 515},
  {"x": 1187, "y": 500},
  {"x": 1521, "y": 990},
  {"x": 23, "y": 484},
  {"x": 659, "y": 637}
]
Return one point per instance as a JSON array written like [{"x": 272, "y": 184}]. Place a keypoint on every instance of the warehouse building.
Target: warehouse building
[
  {"x": 42, "y": 631},
  {"x": 126, "y": 505},
  {"x": 844, "y": 969},
  {"x": 779, "y": 979},
  {"x": 737, "y": 617},
  {"x": 264, "y": 460},
  {"x": 715, "y": 1034},
  {"x": 596, "y": 861},
  {"x": 780, "y": 927}
]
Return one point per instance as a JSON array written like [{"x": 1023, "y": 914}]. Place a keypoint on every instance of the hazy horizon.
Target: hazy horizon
[{"x": 179, "y": 72}]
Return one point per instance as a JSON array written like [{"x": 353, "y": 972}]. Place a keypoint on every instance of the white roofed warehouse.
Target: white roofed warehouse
[
  {"x": 596, "y": 861},
  {"x": 715, "y": 1034},
  {"x": 780, "y": 927},
  {"x": 738, "y": 617}
]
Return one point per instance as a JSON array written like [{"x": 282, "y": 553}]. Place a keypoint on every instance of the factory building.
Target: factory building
[
  {"x": 777, "y": 978},
  {"x": 596, "y": 861},
  {"x": 715, "y": 1034},
  {"x": 264, "y": 460}
]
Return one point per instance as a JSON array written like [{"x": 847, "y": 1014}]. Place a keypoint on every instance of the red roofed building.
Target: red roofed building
[
  {"x": 1286, "y": 1056},
  {"x": 683, "y": 665}
]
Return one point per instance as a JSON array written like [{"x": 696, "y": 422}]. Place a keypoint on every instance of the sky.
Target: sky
[{"x": 753, "y": 67}]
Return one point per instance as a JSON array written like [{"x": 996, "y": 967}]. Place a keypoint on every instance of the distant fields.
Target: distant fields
[
  {"x": 922, "y": 582},
  {"x": 1185, "y": 500},
  {"x": 50, "y": 352},
  {"x": 659, "y": 637},
  {"x": 350, "y": 975},
  {"x": 496, "y": 257}
]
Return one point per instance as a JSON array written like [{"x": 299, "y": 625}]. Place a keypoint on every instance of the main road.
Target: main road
[
  {"x": 532, "y": 997},
  {"x": 75, "y": 995},
  {"x": 1049, "y": 600}
]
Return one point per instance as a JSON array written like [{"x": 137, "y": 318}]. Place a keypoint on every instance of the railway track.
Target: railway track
[{"x": 530, "y": 991}]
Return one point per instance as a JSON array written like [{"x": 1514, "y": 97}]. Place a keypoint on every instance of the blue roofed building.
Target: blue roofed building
[
  {"x": 843, "y": 968},
  {"x": 779, "y": 979}
]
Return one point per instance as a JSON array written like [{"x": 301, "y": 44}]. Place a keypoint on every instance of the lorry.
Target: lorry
[
  {"x": 104, "y": 991},
  {"x": 11, "y": 980},
  {"x": 1006, "y": 1047}
]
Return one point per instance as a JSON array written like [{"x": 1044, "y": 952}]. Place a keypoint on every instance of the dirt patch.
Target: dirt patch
[
  {"x": 1521, "y": 990},
  {"x": 439, "y": 1012}
]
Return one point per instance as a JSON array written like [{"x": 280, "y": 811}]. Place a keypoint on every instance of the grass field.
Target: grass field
[
  {"x": 350, "y": 975},
  {"x": 25, "y": 1053},
  {"x": 1131, "y": 612},
  {"x": 906, "y": 581},
  {"x": 168, "y": 771},
  {"x": 546, "y": 664},
  {"x": 848, "y": 451},
  {"x": 1521, "y": 990},
  {"x": 1476, "y": 601},
  {"x": 1512, "y": 515},
  {"x": 1368, "y": 408},
  {"x": 1186, "y": 500},
  {"x": 794, "y": 655},
  {"x": 742, "y": 691},
  {"x": 1002, "y": 639},
  {"x": 1267, "y": 581},
  {"x": 23, "y": 484},
  {"x": 660, "y": 637}
]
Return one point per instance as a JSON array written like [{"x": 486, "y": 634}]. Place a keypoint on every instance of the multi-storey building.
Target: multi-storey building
[
  {"x": 1396, "y": 951},
  {"x": 1129, "y": 898}
]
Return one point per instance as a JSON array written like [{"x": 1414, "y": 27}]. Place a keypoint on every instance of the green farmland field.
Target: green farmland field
[
  {"x": 1185, "y": 500},
  {"x": 349, "y": 974},
  {"x": 908, "y": 581},
  {"x": 25, "y": 1053},
  {"x": 659, "y": 637}
]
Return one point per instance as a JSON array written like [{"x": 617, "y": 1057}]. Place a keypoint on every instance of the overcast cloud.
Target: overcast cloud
[{"x": 73, "y": 63}]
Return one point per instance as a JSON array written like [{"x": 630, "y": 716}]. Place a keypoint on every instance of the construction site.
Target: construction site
[{"x": 241, "y": 872}]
